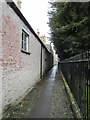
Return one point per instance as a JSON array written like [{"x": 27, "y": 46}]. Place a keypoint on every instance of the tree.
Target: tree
[{"x": 69, "y": 23}]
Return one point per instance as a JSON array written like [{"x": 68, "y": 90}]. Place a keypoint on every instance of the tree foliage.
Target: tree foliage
[{"x": 69, "y": 25}]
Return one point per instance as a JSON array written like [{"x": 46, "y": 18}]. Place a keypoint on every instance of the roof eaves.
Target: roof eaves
[{"x": 18, "y": 12}]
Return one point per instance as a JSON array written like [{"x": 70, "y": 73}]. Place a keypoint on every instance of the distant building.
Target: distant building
[
  {"x": 56, "y": 59},
  {"x": 18, "y": 3},
  {"x": 49, "y": 47},
  {"x": 38, "y": 33},
  {"x": 42, "y": 37}
]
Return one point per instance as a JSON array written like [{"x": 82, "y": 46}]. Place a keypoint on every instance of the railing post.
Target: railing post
[
  {"x": 78, "y": 69},
  {"x": 88, "y": 82}
]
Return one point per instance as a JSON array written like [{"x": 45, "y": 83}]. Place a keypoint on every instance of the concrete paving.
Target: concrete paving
[
  {"x": 47, "y": 100},
  {"x": 42, "y": 106}
]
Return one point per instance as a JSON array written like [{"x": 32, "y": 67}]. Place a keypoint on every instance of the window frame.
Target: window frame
[{"x": 25, "y": 42}]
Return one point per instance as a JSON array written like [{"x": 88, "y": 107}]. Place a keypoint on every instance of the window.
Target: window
[{"x": 25, "y": 41}]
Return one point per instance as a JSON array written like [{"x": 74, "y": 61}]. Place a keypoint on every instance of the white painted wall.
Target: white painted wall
[
  {"x": 20, "y": 74},
  {"x": 0, "y": 60}
]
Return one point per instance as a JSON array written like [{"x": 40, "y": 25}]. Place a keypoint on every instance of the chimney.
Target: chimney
[{"x": 38, "y": 33}]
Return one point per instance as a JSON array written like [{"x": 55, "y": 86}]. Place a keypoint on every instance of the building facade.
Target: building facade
[
  {"x": 18, "y": 3},
  {"x": 42, "y": 37},
  {"x": 24, "y": 59}
]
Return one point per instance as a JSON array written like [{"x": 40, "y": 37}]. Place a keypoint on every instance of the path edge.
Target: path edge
[
  {"x": 16, "y": 102},
  {"x": 73, "y": 103}
]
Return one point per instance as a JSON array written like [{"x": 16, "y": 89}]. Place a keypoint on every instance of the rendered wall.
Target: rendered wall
[
  {"x": 20, "y": 70},
  {"x": 0, "y": 60}
]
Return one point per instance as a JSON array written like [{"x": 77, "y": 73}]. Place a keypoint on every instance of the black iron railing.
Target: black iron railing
[{"x": 76, "y": 71}]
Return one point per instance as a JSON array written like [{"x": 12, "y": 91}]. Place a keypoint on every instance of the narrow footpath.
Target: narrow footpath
[{"x": 47, "y": 100}]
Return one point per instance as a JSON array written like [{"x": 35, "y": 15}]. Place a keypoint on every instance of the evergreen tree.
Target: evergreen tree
[{"x": 69, "y": 24}]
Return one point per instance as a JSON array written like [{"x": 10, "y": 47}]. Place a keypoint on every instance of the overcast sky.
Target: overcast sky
[{"x": 35, "y": 11}]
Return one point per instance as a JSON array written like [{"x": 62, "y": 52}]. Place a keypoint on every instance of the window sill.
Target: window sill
[{"x": 25, "y": 52}]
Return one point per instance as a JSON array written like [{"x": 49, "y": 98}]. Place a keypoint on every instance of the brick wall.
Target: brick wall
[
  {"x": 20, "y": 70},
  {"x": 0, "y": 60}
]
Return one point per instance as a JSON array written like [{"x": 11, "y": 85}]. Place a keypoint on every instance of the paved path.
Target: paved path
[
  {"x": 47, "y": 100},
  {"x": 42, "y": 106}
]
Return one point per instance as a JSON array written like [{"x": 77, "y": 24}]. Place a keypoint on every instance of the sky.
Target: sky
[{"x": 35, "y": 11}]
